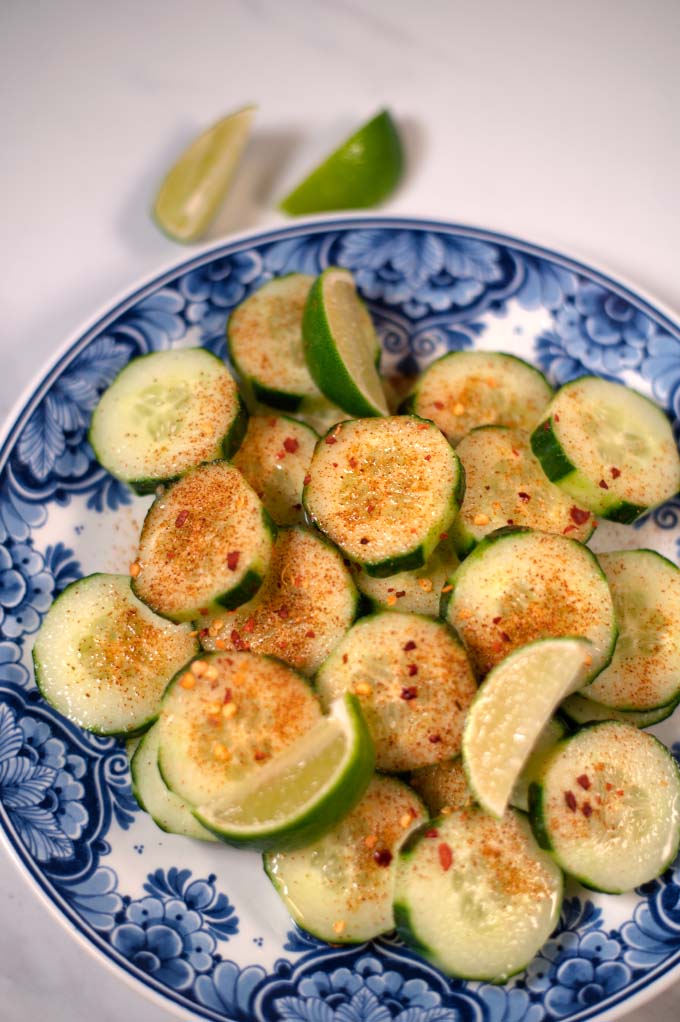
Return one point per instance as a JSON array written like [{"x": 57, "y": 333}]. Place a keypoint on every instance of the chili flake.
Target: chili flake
[
  {"x": 578, "y": 515},
  {"x": 497, "y": 620},
  {"x": 249, "y": 626},
  {"x": 331, "y": 440},
  {"x": 233, "y": 559},
  {"x": 412, "y": 670},
  {"x": 181, "y": 519},
  {"x": 584, "y": 781},
  {"x": 364, "y": 540},
  {"x": 408, "y": 692},
  {"x": 344, "y": 658},
  {"x": 408, "y": 646},
  {"x": 432, "y": 832},
  {"x": 382, "y": 857},
  {"x": 307, "y": 480},
  {"x": 445, "y": 856},
  {"x": 587, "y": 809},
  {"x": 443, "y": 536},
  {"x": 291, "y": 444},
  {"x": 309, "y": 634},
  {"x": 570, "y": 799},
  {"x": 434, "y": 739},
  {"x": 524, "y": 496},
  {"x": 616, "y": 472},
  {"x": 603, "y": 485},
  {"x": 569, "y": 528},
  {"x": 439, "y": 405},
  {"x": 259, "y": 755},
  {"x": 283, "y": 613},
  {"x": 402, "y": 592}
]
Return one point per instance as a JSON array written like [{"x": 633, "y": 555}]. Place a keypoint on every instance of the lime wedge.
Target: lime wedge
[
  {"x": 339, "y": 342},
  {"x": 304, "y": 791},
  {"x": 196, "y": 184},
  {"x": 511, "y": 708},
  {"x": 361, "y": 172}
]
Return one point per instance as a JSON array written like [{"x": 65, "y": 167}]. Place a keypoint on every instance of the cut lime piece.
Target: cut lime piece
[
  {"x": 510, "y": 710},
  {"x": 196, "y": 184},
  {"x": 361, "y": 172},
  {"x": 339, "y": 343},
  {"x": 302, "y": 792}
]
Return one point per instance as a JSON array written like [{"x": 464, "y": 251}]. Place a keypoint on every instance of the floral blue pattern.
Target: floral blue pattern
[{"x": 65, "y": 799}]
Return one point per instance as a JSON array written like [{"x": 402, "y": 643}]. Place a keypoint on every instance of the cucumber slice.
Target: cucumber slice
[
  {"x": 511, "y": 708},
  {"x": 476, "y": 896},
  {"x": 167, "y": 811},
  {"x": 414, "y": 682},
  {"x": 303, "y": 791},
  {"x": 264, "y": 338},
  {"x": 165, "y": 413},
  {"x": 103, "y": 659},
  {"x": 579, "y": 709},
  {"x": 340, "y": 888},
  {"x": 519, "y": 585},
  {"x": 645, "y": 670},
  {"x": 304, "y": 607},
  {"x": 443, "y": 786},
  {"x": 225, "y": 718},
  {"x": 607, "y": 806},
  {"x": 505, "y": 485},
  {"x": 609, "y": 448},
  {"x": 466, "y": 389},
  {"x": 274, "y": 458},
  {"x": 384, "y": 491},
  {"x": 413, "y": 592},
  {"x": 340, "y": 345},
  {"x": 206, "y": 543}
]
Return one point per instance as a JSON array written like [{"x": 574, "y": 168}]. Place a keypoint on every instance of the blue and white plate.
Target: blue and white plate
[{"x": 200, "y": 925}]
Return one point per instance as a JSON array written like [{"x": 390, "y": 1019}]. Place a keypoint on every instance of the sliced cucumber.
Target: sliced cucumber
[
  {"x": 519, "y": 585},
  {"x": 466, "y": 389},
  {"x": 476, "y": 896},
  {"x": 103, "y": 659},
  {"x": 384, "y": 491},
  {"x": 227, "y": 716},
  {"x": 645, "y": 670},
  {"x": 264, "y": 336},
  {"x": 302, "y": 791},
  {"x": 609, "y": 448},
  {"x": 514, "y": 703},
  {"x": 167, "y": 811},
  {"x": 414, "y": 592},
  {"x": 340, "y": 888},
  {"x": 165, "y": 413},
  {"x": 414, "y": 682},
  {"x": 579, "y": 709},
  {"x": 304, "y": 607},
  {"x": 442, "y": 786},
  {"x": 274, "y": 458},
  {"x": 206, "y": 543},
  {"x": 340, "y": 345},
  {"x": 505, "y": 485},
  {"x": 607, "y": 806}
]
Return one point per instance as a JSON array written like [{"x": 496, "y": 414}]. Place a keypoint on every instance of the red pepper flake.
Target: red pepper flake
[
  {"x": 516, "y": 453},
  {"x": 330, "y": 440},
  {"x": 364, "y": 540},
  {"x": 283, "y": 613},
  {"x": 402, "y": 592},
  {"x": 570, "y": 799},
  {"x": 233, "y": 559},
  {"x": 569, "y": 528},
  {"x": 439, "y": 405},
  {"x": 344, "y": 658},
  {"x": 335, "y": 464},
  {"x": 238, "y": 643},
  {"x": 524, "y": 496},
  {"x": 609, "y": 786},
  {"x": 412, "y": 670},
  {"x": 290, "y": 444},
  {"x": 382, "y": 857},
  {"x": 307, "y": 480},
  {"x": 428, "y": 457},
  {"x": 546, "y": 425},
  {"x": 227, "y": 695},
  {"x": 432, "y": 832},
  {"x": 578, "y": 515},
  {"x": 584, "y": 781},
  {"x": 352, "y": 462},
  {"x": 445, "y": 856},
  {"x": 297, "y": 507},
  {"x": 408, "y": 692},
  {"x": 505, "y": 637},
  {"x": 310, "y": 634},
  {"x": 259, "y": 755},
  {"x": 203, "y": 610},
  {"x": 587, "y": 809},
  {"x": 204, "y": 633},
  {"x": 443, "y": 536},
  {"x": 510, "y": 521},
  {"x": 181, "y": 519},
  {"x": 249, "y": 626},
  {"x": 407, "y": 647},
  {"x": 603, "y": 485},
  {"x": 435, "y": 739},
  {"x": 280, "y": 455},
  {"x": 497, "y": 620},
  {"x": 616, "y": 472},
  {"x": 556, "y": 418}
]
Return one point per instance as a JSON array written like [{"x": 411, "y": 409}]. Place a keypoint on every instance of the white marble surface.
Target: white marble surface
[{"x": 554, "y": 121}]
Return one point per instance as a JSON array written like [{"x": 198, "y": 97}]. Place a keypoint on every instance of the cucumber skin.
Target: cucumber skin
[
  {"x": 323, "y": 361},
  {"x": 135, "y": 732},
  {"x": 307, "y": 829}
]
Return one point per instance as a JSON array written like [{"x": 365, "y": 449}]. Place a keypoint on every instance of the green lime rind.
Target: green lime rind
[
  {"x": 325, "y": 362},
  {"x": 327, "y": 806},
  {"x": 361, "y": 172}
]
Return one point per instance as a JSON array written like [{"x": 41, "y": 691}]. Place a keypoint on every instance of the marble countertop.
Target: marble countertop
[{"x": 550, "y": 121}]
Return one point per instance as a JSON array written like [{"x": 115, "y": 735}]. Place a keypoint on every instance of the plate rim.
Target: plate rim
[{"x": 646, "y": 987}]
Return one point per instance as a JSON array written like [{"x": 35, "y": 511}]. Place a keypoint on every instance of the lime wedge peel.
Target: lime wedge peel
[
  {"x": 195, "y": 186},
  {"x": 511, "y": 708},
  {"x": 304, "y": 791},
  {"x": 340, "y": 343},
  {"x": 361, "y": 172}
]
